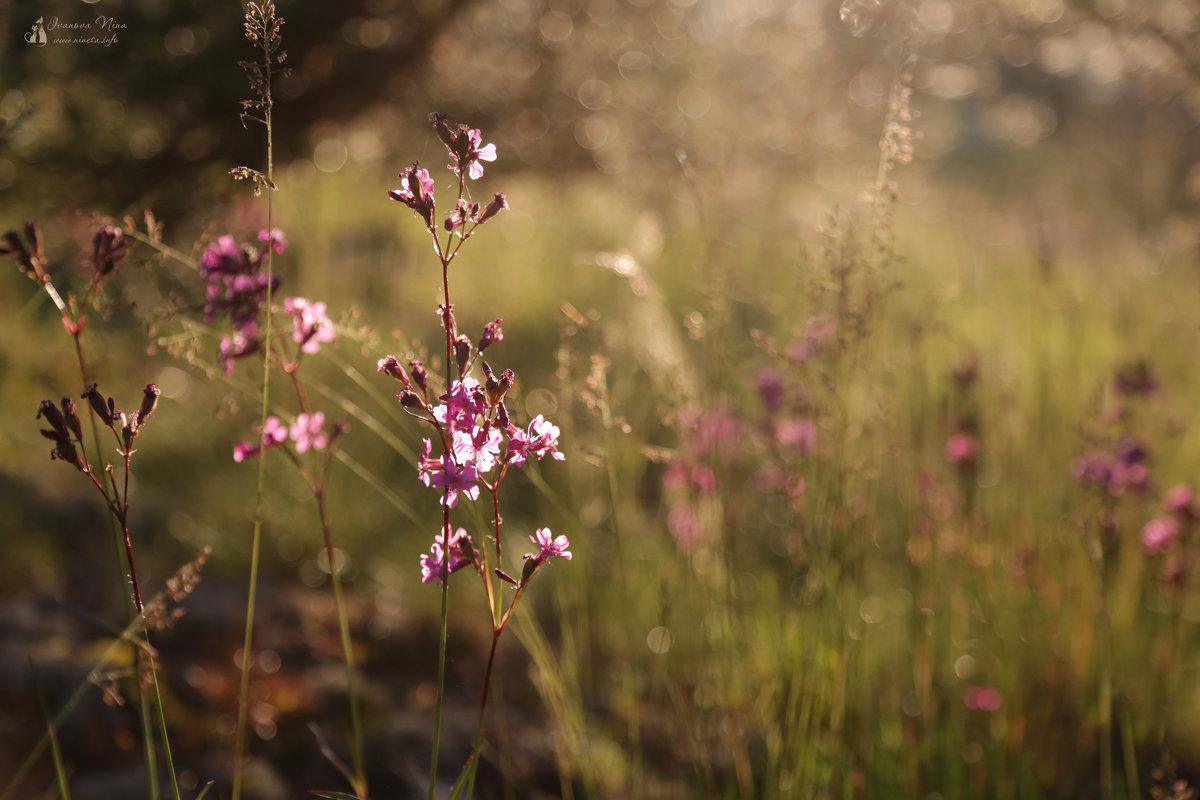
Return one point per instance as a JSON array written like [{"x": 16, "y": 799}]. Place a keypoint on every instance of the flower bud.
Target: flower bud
[
  {"x": 499, "y": 203},
  {"x": 149, "y": 403},
  {"x": 100, "y": 408},
  {"x": 531, "y": 565},
  {"x": 65, "y": 451},
  {"x": 410, "y": 399},
  {"x": 497, "y": 388},
  {"x": 129, "y": 430},
  {"x": 419, "y": 375},
  {"x": 504, "y": 576},
  {"x": 391, "y": 366},
  {"x": 491, "y": 335},
  {"x": 447, "y": 315},
  {"x": 54, "y": 417},
  {"x": 462, "y": 354},
  {"x": 502, "y": 415},
  {"x": 72, "y": 419},
  {"x": 443, "y": 129}
]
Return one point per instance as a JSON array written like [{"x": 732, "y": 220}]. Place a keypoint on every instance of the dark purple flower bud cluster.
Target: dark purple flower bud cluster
[
  {"x": 64, "y": 431},
  {"x": 1123, "y": 468},
  {"x": 109, "y": 249},
  {"x": 67, "y": 433},
  {"x": 237, "y": 284},
  {"x": 1135, "y": 380},
  {"x": 30, "y": 258}
]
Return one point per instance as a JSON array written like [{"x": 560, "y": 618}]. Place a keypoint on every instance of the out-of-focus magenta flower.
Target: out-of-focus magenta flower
[
  {"x": 798, "y": 433},
  {"x": 961, "y": 448},
  {"x": 707, "y": 431},
  {"x": 818, "y": 332},
  {"x": 310, "y": 324},
  {"x": 684, "y": 525},
  {"x": 769, "y": 383},
  {"x": 275, "y": 238},
  {"x": 704, "y": 478},
  {"x": 1178, "y": 499},
  {"x": 275, "y": 432},
  {"x": 1159, "y": 534},
  {"x": 983, "y": 698},
  {"x": 308, "y": 431},
  {"x": 676, "y": 476}
]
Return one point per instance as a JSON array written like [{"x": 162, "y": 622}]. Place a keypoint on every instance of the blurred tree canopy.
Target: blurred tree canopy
[{"x": 619, "y": 86}]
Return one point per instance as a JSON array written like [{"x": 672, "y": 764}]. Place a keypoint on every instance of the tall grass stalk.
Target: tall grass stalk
[{"x": 264, "y": 17}]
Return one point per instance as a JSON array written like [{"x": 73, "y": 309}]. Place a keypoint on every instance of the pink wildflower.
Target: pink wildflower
[
  {"x": 1159, "y": 534},
  {"x": 549, "y": 546},
  {"x": 311, "y": 325},
  {"x": 308, "y": 432}
]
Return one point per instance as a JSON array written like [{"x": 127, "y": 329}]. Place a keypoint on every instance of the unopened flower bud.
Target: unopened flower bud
[
  {"x": 48, "y": 411},
  {"x": 65, "y": 451},
  {"x": 497, "y": 388},
  {"x": 101, "y": 408},
  {"x": 504, "y": 576},
  {"x": 108, "y": 249},
  {"x": 410, "y": 399},
  {"x": 531, "y": 565},
  {"x": 391, "y": 366},
  {"x": 419, "y": 375},
  {"x": 71, "y": 418},
  {"x": 502, "y": 415},
  {"x": 129, "y": 430},
  {"x": 462, "y": 354},
  {"x": 447, "y": 315},
  {"x": 443, "y": 129},
  {"x": 491, "y": 335},
  {"x": 499, "y": 203},
  {"x": 149, "y": 403}
]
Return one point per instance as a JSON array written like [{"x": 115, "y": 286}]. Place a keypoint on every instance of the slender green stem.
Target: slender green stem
[
  {"x": 356, "y": 750},
  {"x": 120, "y": 539},
  {"x": 256, "y": 544},
  {"x": 60, "y": 773},
  {"x": 441, "y": 669}
]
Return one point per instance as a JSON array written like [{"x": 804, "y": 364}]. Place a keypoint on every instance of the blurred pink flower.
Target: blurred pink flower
[
  {"x": 983, "y": 698},
  {"x": 961, "y": 447},
  {"x": 308, "y": 432},
  {"x": 1159, "y": 534},
  {"x": 798, "y": 433}
]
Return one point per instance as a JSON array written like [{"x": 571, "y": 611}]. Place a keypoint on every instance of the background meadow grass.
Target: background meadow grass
[{"x": 816, "y": 645}]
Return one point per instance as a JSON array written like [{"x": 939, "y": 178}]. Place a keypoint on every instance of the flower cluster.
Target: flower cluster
[
  {"x": 310, "y": 324},
  {"x": 465, "y": 145},
  {"x": 237, "y": 285},
  {"x": 476, "y": 440},
  {"x": 307, "y": 432},
  {"x": 1124, "y": 468},
  {"x": 1168, "y": 533},
  {"x": 67, "y": 433}
]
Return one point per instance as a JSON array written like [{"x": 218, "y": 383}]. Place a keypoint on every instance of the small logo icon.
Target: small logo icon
[{"x": 37, "y": 34}]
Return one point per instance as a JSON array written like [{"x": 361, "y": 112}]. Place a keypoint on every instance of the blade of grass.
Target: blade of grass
[{"x": 60, "y": 774}]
